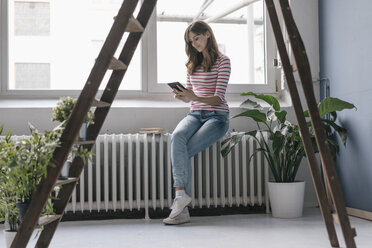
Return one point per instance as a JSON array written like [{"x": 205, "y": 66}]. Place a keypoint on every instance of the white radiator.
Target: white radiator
[{"x": 133, "y": 171}]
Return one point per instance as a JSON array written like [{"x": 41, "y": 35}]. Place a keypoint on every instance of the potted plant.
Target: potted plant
[
  {"x": 63, "y": 111},
  {"x": 282, "y": 147},
  {"x": 9, "y": 214},
  {"x": 8, "y": 198},
  {"x": 26, "y": 163}
]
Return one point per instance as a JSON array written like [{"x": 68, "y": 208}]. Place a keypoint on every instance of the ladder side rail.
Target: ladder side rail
[
  {"x": 305, "y": 135},
  {"x": 100, "y": 114},
  {"x": 116, "y": 77},
  {"x": 321, "y": 139},
  {"x": 73, "y": 124}
]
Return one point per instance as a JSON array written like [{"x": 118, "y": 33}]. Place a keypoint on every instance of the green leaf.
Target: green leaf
[
  {"x": 334, "y": 148},
  {"x": 249, "y": 104},
  {"x": 327, "y": 128},
  {"x": 228, "y": 144},
  {"x": 278, "y": 142},
  {"x": 255, "y": 114},
  {"x": 333, "y": 116},
  {"x": 272, "y": 101},
  {"x": 281, "y": 115},
  {"x": 8, "y": 136},
  {"x": 225, "y": 141},
  {"x": 342, "y": 132},
  {"x": 331, "y": 104},
  {"x": 252, "y": 133}
]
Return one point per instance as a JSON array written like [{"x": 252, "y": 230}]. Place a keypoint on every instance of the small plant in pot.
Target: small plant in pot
[
  {"x": 63, "y": 111},
  {"x": 280, "y": 143}
]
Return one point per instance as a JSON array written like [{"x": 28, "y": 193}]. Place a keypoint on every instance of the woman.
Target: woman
[{"x": 208, "y": 73}]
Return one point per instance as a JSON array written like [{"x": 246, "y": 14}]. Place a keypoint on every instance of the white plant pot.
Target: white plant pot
[
  {"x": 83, "y": 132},
  {"x": 9, "y": 237},
  {"x": 286, "y": 199},
  {"x": 65, "y": 170}
]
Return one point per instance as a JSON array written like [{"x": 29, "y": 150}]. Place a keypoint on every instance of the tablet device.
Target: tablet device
[{"x": 173, "y": 85}]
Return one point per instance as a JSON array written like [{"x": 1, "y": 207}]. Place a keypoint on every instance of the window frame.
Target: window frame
[{"x": 148, "y": 77}]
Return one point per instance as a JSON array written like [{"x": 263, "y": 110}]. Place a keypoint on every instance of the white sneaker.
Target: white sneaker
[
  {"x": 182, "y": 218},
  {"x": 179, "y": 204}
]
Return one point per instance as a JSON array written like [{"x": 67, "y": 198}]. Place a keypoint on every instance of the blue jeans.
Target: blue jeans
[{"x": 196, "y": 132}]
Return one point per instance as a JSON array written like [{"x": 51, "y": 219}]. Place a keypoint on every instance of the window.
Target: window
[
  {"x": 64, "y": 35},
  {"x": 52, "y": 45},
  {"x": 240, "y": 34}
]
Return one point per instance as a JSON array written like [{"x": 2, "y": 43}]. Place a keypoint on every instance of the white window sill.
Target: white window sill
[
  {"x": 159, "y": 101},
  {"x": 120, "y": 103}
]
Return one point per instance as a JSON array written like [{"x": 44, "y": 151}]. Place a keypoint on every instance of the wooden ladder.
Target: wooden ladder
[
  {"x": 332, "y": 208},
  {"x": 124, "y": 22}
]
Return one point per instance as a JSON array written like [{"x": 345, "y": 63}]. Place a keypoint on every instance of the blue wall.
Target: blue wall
[{"x": 345, "y": 37}]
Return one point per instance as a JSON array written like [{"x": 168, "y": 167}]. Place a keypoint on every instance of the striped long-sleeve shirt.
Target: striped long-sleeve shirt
[{"x": 211, "y": 83}]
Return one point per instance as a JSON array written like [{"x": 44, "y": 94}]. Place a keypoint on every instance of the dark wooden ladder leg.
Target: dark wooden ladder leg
[
  {"x": 310, "y": 155},
  {"x": 304, "y": 71}
]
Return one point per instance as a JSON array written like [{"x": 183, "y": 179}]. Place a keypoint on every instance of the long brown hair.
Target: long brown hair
[{"x": 196, "y": 58}]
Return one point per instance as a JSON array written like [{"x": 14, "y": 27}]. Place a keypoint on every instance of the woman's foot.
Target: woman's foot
[
  {"x": 183, "y": 217},
  {"x": 179, "y": 204}
]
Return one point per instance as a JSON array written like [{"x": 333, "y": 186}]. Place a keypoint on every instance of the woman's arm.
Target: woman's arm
[
  {"x": 188, "y": 95},
  {"x": 224, "y": 70}
]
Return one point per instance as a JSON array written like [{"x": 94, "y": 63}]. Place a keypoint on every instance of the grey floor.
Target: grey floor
[{"x": 254, "y": 230}]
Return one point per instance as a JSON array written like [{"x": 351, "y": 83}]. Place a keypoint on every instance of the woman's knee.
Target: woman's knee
[{"x": 178, "y": 136}]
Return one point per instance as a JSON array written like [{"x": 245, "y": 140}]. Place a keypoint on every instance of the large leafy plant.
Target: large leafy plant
[
  {"x": 278, "y": 139},
  {"x": 26, "y": 160}
]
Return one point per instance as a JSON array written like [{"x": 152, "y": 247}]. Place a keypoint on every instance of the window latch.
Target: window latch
[{"x": 277, "y": 63}]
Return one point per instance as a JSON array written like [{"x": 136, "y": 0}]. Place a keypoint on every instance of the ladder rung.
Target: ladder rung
[
  {"x": 337, "y": 220},
  {"x": 294, "y": 67},
  {"x": 116, "y": 64},
  {"x": 353, "y": 231},
  {"x": 85, "y": 142},
  {"x": 100, "y": 104},
  {"x": 133, "y": 26},
  {"x": 45, "y": 220},
  {"x": 67, "y": 181}
]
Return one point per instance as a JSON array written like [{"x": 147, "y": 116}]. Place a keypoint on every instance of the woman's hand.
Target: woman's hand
[
  {"x": 185, "y": 94},
  {"x": 182, "y": 98}
]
